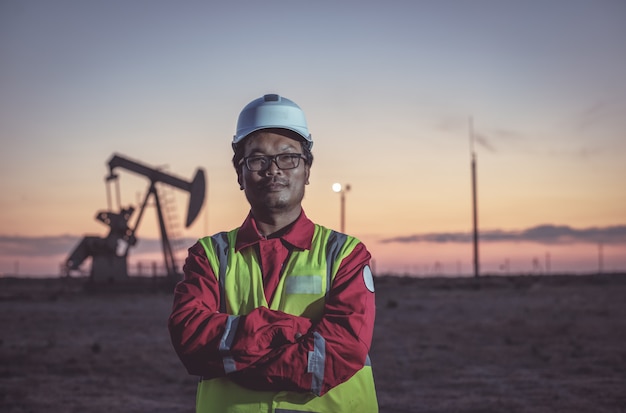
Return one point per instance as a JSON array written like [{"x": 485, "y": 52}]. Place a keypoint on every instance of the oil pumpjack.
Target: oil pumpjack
[{"x": 109, "y": 254}]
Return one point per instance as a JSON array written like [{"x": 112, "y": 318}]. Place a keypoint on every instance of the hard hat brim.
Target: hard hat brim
[{"x": 302, "y": 133}]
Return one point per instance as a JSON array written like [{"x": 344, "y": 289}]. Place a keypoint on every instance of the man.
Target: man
[{"x": 277, "y": 315}]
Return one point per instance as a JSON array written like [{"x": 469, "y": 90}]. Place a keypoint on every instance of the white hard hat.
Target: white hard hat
[{"x": 271, "y": 111}]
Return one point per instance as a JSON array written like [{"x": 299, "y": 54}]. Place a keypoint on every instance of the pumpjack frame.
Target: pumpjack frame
[{"x": 110, "y": 254}]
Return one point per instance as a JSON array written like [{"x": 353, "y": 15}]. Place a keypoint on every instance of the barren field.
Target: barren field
[{"x": 497, "y": 344}]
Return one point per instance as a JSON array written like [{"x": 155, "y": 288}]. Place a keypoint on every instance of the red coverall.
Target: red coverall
[{"x": 196, "y": 325}]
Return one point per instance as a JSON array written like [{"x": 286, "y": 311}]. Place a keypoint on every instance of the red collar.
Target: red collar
[{"x": 299, "y": 234}]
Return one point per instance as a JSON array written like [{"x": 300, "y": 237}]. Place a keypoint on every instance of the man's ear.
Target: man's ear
[
  {"x": 240, "y": 180},
  {"x": 308, "y": 173}
]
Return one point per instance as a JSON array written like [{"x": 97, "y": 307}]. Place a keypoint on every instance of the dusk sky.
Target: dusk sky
[{"x": 388, "y": 88}]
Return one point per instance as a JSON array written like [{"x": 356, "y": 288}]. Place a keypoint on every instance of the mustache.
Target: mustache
[{"x": 273, "y": 180}]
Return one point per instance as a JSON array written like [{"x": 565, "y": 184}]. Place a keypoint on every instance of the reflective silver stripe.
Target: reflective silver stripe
[
  {"x": 229, "y": 334},
  {"x": 317, "y": 360},
  {"x": 226, "y": 342},
  {"x": 368, "y": 362},
  {"x": 334, "y": 245},
  {"x": 220, "y": 242},
  {"x": 303, "y": 284},
  {"x": 229, "y": 365},
  {"x": 291, "y": 411}
]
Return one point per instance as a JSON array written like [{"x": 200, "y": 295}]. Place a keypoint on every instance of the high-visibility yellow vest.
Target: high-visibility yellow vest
[{"x": 306, "y": 279}]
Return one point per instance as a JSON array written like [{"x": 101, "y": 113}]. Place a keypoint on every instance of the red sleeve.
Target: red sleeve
[
  {"x": 345, "y": 332},
  {"x": 210, "y": 343},
  {"x": 195, "y": 324}
]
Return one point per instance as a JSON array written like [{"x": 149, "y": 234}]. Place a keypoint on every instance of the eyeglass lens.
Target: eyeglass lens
[{"x": 283, "y": 161}]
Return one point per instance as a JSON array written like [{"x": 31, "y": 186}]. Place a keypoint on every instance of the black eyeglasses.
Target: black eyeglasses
[{"x": 262, "y": 162}]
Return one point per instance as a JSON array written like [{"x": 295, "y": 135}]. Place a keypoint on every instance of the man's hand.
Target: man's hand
[{"x": 262, "y": 330}]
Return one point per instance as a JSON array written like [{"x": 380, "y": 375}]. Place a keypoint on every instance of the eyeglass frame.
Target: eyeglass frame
[{"x": 274, "y": 159}]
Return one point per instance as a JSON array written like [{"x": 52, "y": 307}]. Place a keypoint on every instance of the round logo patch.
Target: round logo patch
[{"x": 368, "y": 278}]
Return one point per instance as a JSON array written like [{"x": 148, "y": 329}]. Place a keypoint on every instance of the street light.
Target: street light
[{"x": 337, "y": 187}]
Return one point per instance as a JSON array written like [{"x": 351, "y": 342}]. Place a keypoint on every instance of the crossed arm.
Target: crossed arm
[{"x": 272, "y": 350}]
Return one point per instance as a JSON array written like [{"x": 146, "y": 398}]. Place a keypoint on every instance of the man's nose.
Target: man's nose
[{"x": 273, "y": 167}]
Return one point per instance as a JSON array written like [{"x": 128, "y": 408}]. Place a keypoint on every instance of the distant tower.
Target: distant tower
[
  {"x": 474, "y": 202},
  {"x": 600, "y": 258}
]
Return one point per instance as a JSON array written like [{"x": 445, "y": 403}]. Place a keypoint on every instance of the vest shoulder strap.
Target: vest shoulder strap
[
  {"x": 336, "y": 241},
  {"x": 218, "y": 247}
]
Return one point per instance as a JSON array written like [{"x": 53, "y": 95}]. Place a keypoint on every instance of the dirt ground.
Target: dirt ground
[{"x": 497, "y": 344}]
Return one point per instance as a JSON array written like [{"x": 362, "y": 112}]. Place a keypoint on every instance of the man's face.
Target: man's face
[{"x": 273, "y": 189}]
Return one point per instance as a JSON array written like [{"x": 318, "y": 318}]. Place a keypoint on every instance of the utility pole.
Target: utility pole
[
  {"x": 600, "y": 258},
  {"x": 342, "y": 189},
  {"x": 474, "y": 201}
]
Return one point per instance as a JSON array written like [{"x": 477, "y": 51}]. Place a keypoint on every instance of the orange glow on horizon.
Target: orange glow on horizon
[{"x": 416, "y": 259}]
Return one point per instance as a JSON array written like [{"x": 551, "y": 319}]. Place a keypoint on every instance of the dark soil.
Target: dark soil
[{"x": 496, "y": 344}]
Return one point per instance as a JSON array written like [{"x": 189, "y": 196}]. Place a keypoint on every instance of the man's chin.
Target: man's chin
[
  {"x": 273, "y": 201},
  {"x": 277, "y": 205}
]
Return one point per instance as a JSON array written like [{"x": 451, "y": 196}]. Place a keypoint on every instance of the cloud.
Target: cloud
[
  {"x": 18, "y": 246},
  {"x": 51, "y": 246},
  {"x": 597, "y": 114},
  {"x": 36, "y": 246},
  {"x": 542, "y": 234},
  {"x": 502, "y": 136},
  {"x": 483, "y": 141},
  {"x": 484, "y": 137}
]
